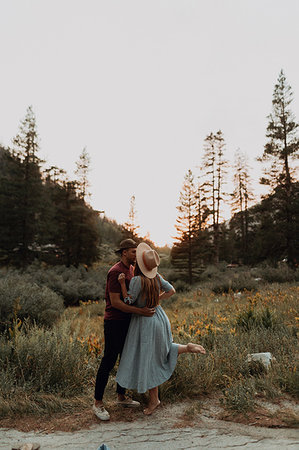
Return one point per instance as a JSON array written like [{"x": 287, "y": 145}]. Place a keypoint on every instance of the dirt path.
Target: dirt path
[{"x": 172, "y": 427}]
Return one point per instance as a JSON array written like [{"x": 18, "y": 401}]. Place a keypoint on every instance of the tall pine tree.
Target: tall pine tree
[
  {"x": 240, "y": 198},
  {"x": 281, "y": 149},
  {"x": 214, "y": 166},
  {"x": 184, "y": 249},
  {"x": 131, "y": 228},
  {"x": 25, "y": 149}
]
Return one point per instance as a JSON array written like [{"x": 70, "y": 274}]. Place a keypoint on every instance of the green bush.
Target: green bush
[
  {"x": 181, "y": 286},
  {"x": 220, "y": 280},
  {"x": 72, "y": 283},
  {"x": 282, "y": 274},
  {"x": 235, "y": 282},
  {"x": 22, "y": 299},
  {"x": 287, "y": 375},
  {"x": 212, "y": 272},
  {"x": 249, "y": 319}
]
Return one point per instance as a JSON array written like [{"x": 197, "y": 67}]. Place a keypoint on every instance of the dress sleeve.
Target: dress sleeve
[
  {"x": 165, "y": 285},
  {"x": 134, "y": 289}
]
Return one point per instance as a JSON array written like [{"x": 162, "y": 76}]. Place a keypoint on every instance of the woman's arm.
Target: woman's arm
[
  {"x": 128, "y": 307},
  {"x": 164, "y": 295},
  {"x": 117, "y": 303},
  {"x": 167, "y": 290},
  {"x": 122, "y": 282}
]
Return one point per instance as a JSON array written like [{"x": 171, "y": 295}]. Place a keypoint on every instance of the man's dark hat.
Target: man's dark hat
[{"x": 125, "y": 244}]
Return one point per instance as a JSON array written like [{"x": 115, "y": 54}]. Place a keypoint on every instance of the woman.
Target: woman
[{"x": 149, "y": 356}]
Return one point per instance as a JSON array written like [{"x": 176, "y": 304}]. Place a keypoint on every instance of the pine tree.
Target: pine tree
[
  {"x": 182, "y": 254},
  {"x": 83, "y": 168},
  {"x": 25, "y": 149},
  {"x": 203, "y": 248},
  {"x": 131, "y": 229},
  {"x": 281, "y": 148},
  {"x": 76, "y": 234},
  {"x": 240, "y": 198},
  {"x": 214, "y": 165},
  {"x": 11, "y": 192}
]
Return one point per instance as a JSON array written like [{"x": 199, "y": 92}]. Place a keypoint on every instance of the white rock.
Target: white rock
[{"x": 265, "y": 358}]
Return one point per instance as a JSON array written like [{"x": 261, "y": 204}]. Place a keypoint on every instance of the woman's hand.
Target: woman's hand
[{"x": 121, "y": 278}]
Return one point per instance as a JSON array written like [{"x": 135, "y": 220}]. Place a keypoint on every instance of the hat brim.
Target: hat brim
[{"x": 143, "y": 247}]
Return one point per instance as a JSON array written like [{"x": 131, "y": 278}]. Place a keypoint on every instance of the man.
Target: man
[{"x": 116, "y": 323}]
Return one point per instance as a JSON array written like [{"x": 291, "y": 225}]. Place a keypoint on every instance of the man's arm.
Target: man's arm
[{"x": 117, "y": 303}]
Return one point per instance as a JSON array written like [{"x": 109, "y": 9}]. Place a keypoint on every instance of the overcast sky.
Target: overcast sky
[{"x": 140, "y": 84}]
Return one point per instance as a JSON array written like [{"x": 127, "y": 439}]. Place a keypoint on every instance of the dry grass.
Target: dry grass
[{"x": 199, "y": 316}]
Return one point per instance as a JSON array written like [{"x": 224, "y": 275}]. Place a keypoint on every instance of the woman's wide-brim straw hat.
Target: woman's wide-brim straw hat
[{"x": 147, "y": 259}]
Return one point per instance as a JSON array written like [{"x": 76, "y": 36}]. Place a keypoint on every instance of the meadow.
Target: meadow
[{"x": 49, "y": 364}]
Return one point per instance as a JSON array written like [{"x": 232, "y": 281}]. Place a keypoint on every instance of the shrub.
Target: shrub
[
  {"x": 22, "y": 299},
  {"x": 287, "y": 375},
  {"x": 210, "y": 272},
  {"x": 181, "y": 286},
  {"x": 267, "y": 387},
  {"x": 281, "y": 274},
  {"x": 235, "y": 282},
  {"x": 239, "y": 396},
  {"x": 249, "y": 319},
  {"x": 72, "y": 283}
]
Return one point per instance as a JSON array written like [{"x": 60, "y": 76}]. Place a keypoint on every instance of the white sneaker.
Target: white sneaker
[{"x": 101, "y": 412}]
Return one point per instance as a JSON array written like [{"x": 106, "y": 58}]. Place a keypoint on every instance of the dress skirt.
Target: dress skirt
[{"x": 149, "y": 355}]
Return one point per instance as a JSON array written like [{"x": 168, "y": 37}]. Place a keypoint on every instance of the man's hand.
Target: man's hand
[
  {"x": 147, "y": 312},
  {"x": 117, "y": 303}
]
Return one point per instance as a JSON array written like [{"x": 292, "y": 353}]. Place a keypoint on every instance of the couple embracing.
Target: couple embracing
[{"x": 137, "y": 329}]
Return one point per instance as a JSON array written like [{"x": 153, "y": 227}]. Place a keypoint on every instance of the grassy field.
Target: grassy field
[{"x": 45, "y": 370}]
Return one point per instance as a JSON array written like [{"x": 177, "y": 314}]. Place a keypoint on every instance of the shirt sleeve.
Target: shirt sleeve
[
  {"x": 165, "y": 285},
  {"x": 113, "y": 283},
  {"x": 134, "y": 289}
]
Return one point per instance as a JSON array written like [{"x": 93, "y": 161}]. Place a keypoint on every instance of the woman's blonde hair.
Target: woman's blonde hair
[{"x": 150, "y": 288}]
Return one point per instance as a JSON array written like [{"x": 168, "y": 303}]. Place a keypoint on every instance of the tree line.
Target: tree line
[
  {"x": 266, "y": 231},
  {"x": 43, "y": 214},
  {"x": 46, "y": 215}
]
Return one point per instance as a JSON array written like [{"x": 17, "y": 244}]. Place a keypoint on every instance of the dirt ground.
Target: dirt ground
[
  {"x": 283, "y": 413},
  {"x": 185, "y": 425}
]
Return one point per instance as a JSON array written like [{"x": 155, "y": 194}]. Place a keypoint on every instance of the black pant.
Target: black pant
[{"x": 115, "y": 332}]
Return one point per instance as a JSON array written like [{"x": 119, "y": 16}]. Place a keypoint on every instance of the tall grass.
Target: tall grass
[
  {"x": 230, "y": 329},
  {"x": 38, "y": 363},
  {"x": 49, "y": 369}
]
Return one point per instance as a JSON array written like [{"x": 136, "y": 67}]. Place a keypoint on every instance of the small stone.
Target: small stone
[
  {"x": 27, "y": 446},
  {"x": 265, "y": 358}
]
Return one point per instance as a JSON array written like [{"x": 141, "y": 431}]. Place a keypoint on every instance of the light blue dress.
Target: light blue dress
[{"x": 149, "y": 356}]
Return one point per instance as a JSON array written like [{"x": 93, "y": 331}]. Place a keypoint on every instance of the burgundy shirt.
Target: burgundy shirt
[{"x": 113, "y": 286}]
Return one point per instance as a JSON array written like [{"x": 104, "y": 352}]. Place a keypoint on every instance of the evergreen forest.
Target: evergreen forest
[{"x": 46, "y": 217}]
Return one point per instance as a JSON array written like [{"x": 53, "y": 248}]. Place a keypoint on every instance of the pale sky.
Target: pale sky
[{"x": 140, "y": 84}]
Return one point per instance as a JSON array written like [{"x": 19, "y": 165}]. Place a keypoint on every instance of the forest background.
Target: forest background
[{"x": 46, "y": 217}]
